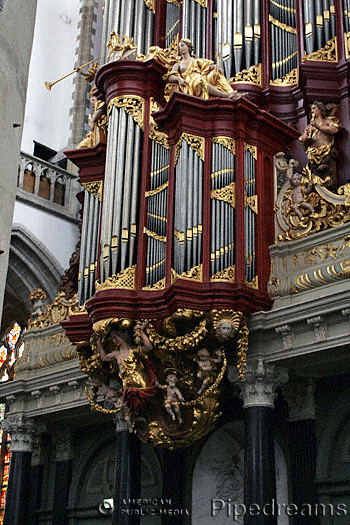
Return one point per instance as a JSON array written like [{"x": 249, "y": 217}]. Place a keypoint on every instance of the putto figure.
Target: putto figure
[
  {"x": 318, "y": 141},
  {"x": 197, "y": 76},
  {"x": 173, "y": 397},
  {"x": 207, "y": 368},
  {"x": 297, "y": 195}
]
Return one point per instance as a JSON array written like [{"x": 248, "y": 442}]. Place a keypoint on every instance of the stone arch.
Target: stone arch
[
  {"x": 31, "y": 265},
  {"x": 95, "y": 470}
]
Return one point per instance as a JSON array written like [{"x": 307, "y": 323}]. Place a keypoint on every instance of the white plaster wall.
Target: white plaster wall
[
  {"x": 55, "y": 41},
  {"x": 16, "y": 35},
  {"x": 60, "y": 236}
]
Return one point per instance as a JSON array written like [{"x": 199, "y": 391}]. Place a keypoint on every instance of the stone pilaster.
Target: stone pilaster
[
  {"x": 299, "y": 394},
  {"x": 63, "y": 475},
  {"x": 258, "y": 394}
]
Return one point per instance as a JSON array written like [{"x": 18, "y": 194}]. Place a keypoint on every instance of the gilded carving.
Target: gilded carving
[
  {"x": 195, "y": 142},
  {"x": 228, "y": 274},
  {"x": 59, "y": 310},
  {"x": 249, "y": 76},
  {"x": 157, "y": 190},
  {"x": 253, "y": 150},
  {"x": 290, "y": 79},
  {"x": 154, "y": 235},
  {"x": 282, "y": 26},
  {"x": 95, "y": 188},
  {"x": 120, "y": 48},
  {"x": 132, "y": 104},
  {"x": 151, "y": 4},
  {"x": 227, "y": 142},
  {"x": 304, "y": 206},
  {"x": 328, "y": 53},
  {"x": 154, "y": 132},
  {"x": 197, "y": 76},
  {"x": 124, "y": 279},
  {"x": 226, "y": 194},
  {"x": 172, "y": 374}
]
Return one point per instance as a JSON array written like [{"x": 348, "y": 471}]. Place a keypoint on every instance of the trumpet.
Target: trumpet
[{"x": 49, "y": 85}]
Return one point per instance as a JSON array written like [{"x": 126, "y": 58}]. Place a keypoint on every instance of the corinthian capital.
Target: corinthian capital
[
  {"x": 260, "y": 382},
  {"x": 23, "y": 431}
]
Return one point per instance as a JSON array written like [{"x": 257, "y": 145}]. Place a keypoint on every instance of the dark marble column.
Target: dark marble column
[
  {"x": 258, "y": 394},
  {"x": 23, "y": 432},
  {"x": 127, "y": 476},
  {"x": 299, "y": 394},
  {"x": 173, "y": 484}
]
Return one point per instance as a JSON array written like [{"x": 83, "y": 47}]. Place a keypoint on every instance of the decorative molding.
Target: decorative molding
[
  {"x": 280, "y": 25},
  {"x": 320, "y": 327},
  {"x": 260, "y": 382},
  {"x": 287, "y": 336},
  {"x": 124, "y": 279},
  {"x": 23, "y": 432},
  {"x": 300, "y": 396}
]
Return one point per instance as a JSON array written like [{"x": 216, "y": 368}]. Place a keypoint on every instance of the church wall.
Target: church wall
[
  {"x": 16, "y": 19},
  {"x": 59, "y": 235}
]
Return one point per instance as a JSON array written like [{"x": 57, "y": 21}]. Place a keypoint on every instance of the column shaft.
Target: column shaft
[
  {"x": 173, "y": 483},
  {"x": 17, "y": 496},
  {"x": 127, "y": 479},
  {"x": 260, "y": 477}
]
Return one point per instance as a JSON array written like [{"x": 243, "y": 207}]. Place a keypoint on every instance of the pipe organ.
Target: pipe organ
[
  {"x": 178, "y": 211},
  {"x": 179, "y": 202}
]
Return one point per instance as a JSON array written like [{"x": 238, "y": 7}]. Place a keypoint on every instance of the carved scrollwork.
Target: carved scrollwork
[
  {"x": 124, "y": 279},
  {"x": 249, "y": 76},
  {"x": 328, "y": 53}
]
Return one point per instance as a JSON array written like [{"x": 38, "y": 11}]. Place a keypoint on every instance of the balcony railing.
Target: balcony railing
[{"x": 47, "y": 185}]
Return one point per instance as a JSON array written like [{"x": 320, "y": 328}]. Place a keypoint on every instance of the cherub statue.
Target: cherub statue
[
  {"x": 297, "y": 195},
  {"x": 225, "y": 330},
  {"x": 113, "y": 396},
  {"x": 137, "y": 373},
  {"x": 173, "y": 397},
  {"x": 318, "y": 140},
  {"x": 97, "y": 122},
  {"x": 197, "y": 76},
  {"x": 206, "y": 364}
]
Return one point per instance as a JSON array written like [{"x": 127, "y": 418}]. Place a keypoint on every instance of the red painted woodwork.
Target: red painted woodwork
[
  {"x": 131, "y": 77},
  {"x": 91, "y": 162}
]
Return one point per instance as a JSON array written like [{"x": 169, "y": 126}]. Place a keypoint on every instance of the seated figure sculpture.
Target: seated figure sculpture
[{"x": 197, "y": 76}]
